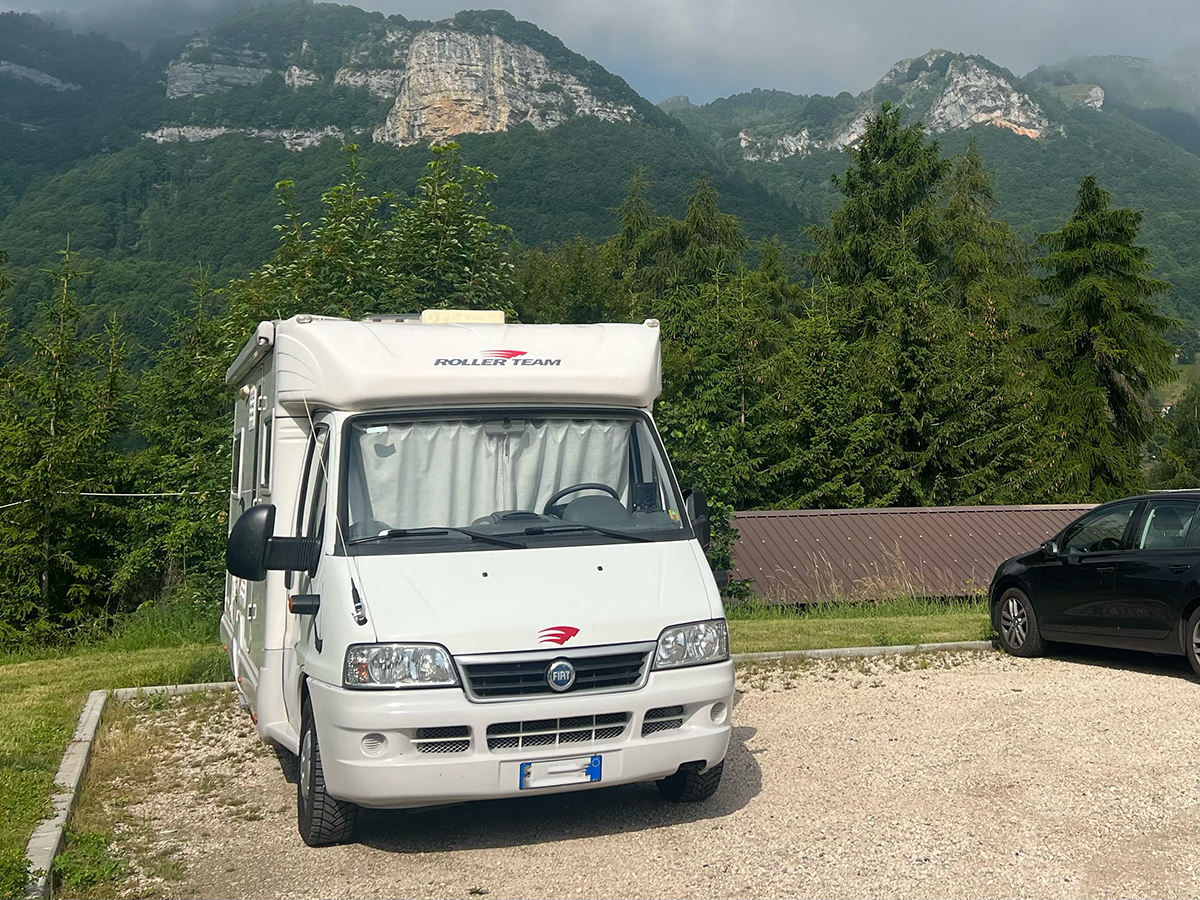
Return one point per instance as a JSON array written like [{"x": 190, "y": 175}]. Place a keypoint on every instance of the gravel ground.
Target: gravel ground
[{"x": 956, "y": 775}]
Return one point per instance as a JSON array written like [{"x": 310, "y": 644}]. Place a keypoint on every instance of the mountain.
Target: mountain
[
  {"x": 1165, "y": 99},
  {"x": 156, "y": 164},
  {"x": 1038, "y": 138}
]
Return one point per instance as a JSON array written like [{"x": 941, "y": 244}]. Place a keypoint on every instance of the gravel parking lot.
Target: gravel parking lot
[{"x": 966, "y": 775}]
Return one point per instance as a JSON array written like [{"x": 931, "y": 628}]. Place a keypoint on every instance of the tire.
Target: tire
[
  {"x": 1191, "y": 640},
  {"x": 322, "y": 820},
  {"x": 1017, "y": 625},
  {"x": 689, "y": 784}
]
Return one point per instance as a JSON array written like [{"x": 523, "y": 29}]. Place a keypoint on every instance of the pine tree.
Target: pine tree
[
  {"x": 692, "y": 251},
  {"x": 1102, "y": 345},
  {"x": 62, "y": 407},
  {"x": 182, "y": 411},
  {"x": 953, "y": 425},
  {"x": 987, "y": 265},
  {"x": 892, "y": 183},
  {"x": 1178, "y": 463}
]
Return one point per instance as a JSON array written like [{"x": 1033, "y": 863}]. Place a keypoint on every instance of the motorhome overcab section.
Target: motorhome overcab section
[{"x": 459, "y": 582}]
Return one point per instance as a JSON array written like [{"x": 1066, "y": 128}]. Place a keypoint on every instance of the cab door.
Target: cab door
[
  {"x": 310, "y": 522},
  {"x": 1152, "y": 582},
  {"x": 1077, "y": 591}
]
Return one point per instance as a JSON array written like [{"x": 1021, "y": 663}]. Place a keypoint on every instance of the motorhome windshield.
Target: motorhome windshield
[{"x": 487, "y": 481}]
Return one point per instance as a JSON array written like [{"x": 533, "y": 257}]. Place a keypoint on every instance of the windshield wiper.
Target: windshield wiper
[
  {"x": 435, "y": 530},
  {"x": 583, "y": 526}
]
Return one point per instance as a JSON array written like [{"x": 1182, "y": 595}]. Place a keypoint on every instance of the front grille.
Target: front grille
[
  {"x": 527, "y": 677},
  {"x": 662, "y": 718},
  {"x": 444, "y": 739},
  {"x": 552, "y": 732}
]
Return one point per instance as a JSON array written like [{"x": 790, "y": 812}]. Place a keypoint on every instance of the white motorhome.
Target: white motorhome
[{"x": 460, "y": 566}]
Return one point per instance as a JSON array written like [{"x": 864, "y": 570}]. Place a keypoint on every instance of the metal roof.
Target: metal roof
[{"x": 800, "y": 556}]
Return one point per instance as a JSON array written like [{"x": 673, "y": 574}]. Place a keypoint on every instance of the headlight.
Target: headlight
[
  {"x": 692, "y": 644},
  {"x": 398, "y": 666}
]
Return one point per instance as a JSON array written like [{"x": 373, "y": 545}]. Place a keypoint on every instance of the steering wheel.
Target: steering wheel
[{"x": 552, "y": 509}]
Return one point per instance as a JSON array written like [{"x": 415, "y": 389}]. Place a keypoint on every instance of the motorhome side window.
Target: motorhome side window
[
  {"x": 235, "y": 472},
  {"x": 264, "y": 469},
  {"x": 535, "y": 477}
]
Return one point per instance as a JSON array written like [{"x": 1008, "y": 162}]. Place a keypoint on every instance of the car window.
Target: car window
[
  {"x": 1166, "y": 525},
  {"x": 1192, "y": 541},
  {"x": 1099, "y": 531}
]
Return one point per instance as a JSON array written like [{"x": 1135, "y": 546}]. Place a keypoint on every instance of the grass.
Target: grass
[
  {"x": 112, "y": 844},
  {"x": 758, "y": 627},
  {"x": 40, "y": 701}
]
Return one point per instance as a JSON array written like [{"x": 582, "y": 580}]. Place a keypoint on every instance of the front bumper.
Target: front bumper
[{"x": 410, "y": 770}]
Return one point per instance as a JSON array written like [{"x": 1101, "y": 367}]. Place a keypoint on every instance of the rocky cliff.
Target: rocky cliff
[
  {"x": 947, "y": 91},
  {"x": 440, "y": 80}
]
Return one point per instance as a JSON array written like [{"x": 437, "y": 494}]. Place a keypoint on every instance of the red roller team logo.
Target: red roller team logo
[
  {"x": 559, "y": 634},
  {"x": 502, "y": 354}
]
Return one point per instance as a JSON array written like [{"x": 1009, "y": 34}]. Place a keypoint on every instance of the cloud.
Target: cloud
[{"x": 711, "y": 48}]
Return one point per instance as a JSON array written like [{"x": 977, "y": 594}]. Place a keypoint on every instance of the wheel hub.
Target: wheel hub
[{"x": 1014, "y": 622}]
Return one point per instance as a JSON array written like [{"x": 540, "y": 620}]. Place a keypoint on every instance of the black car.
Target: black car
[{"x": 1123, "y": 575}]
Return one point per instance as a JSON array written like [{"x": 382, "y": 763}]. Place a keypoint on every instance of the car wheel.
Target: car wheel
[
  {"x": 322, "y": 819},
  {"x": 689, "y": 784},
  {"x": 1017, "y": 625},
  {"x": 1191, "y": 640}
]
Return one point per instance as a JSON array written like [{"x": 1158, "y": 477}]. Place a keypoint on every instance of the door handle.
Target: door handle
[
  {"x": 1105, "y": 570},
  {"x": 1179, "y": 570}
]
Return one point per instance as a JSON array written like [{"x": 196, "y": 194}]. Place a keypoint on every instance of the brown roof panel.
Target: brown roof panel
[{"x": 800, "y": 556}]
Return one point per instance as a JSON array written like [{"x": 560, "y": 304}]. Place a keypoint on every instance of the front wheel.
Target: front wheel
[
  {"x": 689, "y": 785},
  {"x": 1018, "y": 625},
  {"x": 1191, "y": 640},
  {"x": 322, "y": 819}
]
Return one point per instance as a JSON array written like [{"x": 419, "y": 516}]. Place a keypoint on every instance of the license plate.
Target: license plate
[{"x": 556, "y": 772}]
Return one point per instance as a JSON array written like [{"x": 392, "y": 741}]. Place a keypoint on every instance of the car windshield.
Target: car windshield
[{"x": 464, "y": 482}]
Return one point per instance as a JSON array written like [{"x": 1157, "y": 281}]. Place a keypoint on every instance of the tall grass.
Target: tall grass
[{"x": 855, "y": 609}]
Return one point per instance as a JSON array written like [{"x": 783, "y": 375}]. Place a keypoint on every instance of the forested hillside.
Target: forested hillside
[
  {"x": 957, "y": 287},
  {"x": 792, "y": 144}
]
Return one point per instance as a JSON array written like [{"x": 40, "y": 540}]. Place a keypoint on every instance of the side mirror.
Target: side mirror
[
  {"x": 696, "y": 504},
  {"x": 246, "y": 552},
  {"x": 252, "y": 550},
  {"x": 1050, "y": 549}
]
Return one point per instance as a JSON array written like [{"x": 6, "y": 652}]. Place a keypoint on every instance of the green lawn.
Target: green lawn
[
  {"x": 758, "y": 628},
  {"x": 40, "y": 701}
]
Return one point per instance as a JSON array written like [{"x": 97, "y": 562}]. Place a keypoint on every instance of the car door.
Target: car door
[
  {"x": 310, "y": 522},
  {"x": 1077, "y": 590},
  {"x": 1151, "y": 582}
]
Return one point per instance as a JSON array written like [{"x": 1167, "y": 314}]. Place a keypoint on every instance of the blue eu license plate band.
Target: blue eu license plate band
[{"x": 558, "y": 772}]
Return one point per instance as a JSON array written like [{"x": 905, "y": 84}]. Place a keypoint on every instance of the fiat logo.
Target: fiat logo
[{"x": 561, "y": 675}]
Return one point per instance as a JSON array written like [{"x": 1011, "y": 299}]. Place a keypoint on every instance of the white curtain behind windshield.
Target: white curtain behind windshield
[{"x": 454, "y": 472}]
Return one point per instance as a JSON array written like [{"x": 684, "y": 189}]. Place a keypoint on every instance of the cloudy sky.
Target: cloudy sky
[{"x": 712, "y": 48}]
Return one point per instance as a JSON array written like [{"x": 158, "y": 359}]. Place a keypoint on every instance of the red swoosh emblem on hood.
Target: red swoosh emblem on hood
[{"x": 559, "y": 634}]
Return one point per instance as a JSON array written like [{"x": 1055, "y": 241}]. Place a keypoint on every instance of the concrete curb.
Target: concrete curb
[
  {"x": 47, "y": 838},
  {"x": 843, "y": 652},
  {"x": 171, "y": 690}
]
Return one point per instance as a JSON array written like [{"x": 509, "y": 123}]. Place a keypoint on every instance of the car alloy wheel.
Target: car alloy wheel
[{"x": 1014, "y": 622}]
